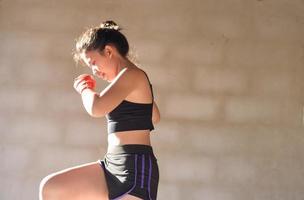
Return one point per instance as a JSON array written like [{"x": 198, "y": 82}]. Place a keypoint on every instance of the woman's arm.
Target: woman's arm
[
  {"x": 155, "y": 114},
  {"x": 98, "y": 105}
]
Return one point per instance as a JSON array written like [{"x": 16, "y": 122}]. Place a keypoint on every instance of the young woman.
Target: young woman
[{"x": 129, "y": 170}]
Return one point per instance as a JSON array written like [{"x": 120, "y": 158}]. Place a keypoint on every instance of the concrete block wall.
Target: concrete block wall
[{"x": 227, "y": 75}]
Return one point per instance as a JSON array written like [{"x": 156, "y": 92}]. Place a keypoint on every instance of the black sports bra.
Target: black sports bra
[{"x": 131, "y": 116}]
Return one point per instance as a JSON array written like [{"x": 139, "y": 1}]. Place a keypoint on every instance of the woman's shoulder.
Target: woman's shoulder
[
  {"x": 130, "y": 77},
  {"x": 136, "y": 73}
]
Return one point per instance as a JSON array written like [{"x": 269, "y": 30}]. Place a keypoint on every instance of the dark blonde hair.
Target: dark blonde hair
[{"x": 98, "y": 37}]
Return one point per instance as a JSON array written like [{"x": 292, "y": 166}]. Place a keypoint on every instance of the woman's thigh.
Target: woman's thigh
[{"x": 85, "y": 181}]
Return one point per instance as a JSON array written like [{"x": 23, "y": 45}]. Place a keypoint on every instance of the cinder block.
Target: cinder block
[
  {"x": 14, "y": 160},
  {"x": 34, "y": 21},
  {"x": 30, "y": 187},
  {"x": 266, "y": 142},
  {"x": 63, "y": 101},
  {"x": 34, "y": 131},
  {"x": 251, "y": 53},
  {"x": 8, "y": 187},
  {"x": 264, "y": 111},
  {"x": 168, "y": 135},
  {"x": 226, "y": 27},
  {"x": 202, "y": 52},
  {"x": 185, "y": 167},
  {"x": 14, "y": 41},
  {"x": 216, "y": 140},
  {"x": 6, "y": 72},
  {"x": 278, "y": 20},
  {"x": 168, "y": 190},
  {"x": 272, "y": 82},
  {"x": 212, "y": 192},
  {"x": 148, "y": 51},
  {"x": 24, "y": 100},
  {"x": 221, "y": 80},
  {"x": 240, "y": 53},
  {"x": 86, "y": 133},
  {"x": 190, "y": 106},
  {"x": 199, "y": 139},
  {"x": 46, "y": 75},
  {"x": 4, "y": 121},
  {"x": 236, "y": 170},
  {"x": 55, "y": 158},
  {"x": 171, "y": 78},
  {"x": 252, "y": 110}
]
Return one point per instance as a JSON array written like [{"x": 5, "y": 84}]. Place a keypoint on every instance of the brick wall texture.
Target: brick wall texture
[{"x": 227, "y": 76}]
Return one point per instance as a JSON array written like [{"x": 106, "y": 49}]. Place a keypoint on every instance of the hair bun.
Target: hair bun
[{"x": 109, "y": 25}]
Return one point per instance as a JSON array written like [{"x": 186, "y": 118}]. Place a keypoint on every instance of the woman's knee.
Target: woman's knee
[
  {"x": 74, "y": 183},
  {"x": 48, "y": 189}
]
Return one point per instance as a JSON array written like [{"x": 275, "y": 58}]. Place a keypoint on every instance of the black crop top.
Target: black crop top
[{"x": 131, "y": 116}]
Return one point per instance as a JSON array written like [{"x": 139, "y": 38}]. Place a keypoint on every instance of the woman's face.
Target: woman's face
[{"x": 100, "y": 64}]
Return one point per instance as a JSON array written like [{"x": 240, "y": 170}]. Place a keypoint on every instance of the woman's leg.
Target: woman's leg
[{"x": 81, "y": 182}]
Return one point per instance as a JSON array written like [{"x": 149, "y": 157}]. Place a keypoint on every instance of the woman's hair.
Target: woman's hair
[{"x": 98, "y": 37}]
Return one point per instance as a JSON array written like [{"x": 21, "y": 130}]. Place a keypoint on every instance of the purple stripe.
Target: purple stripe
[
  {"x": 119, "y": 197},
  {"x": 150, "y": 173},
  {"x": 142, "y": 171}
]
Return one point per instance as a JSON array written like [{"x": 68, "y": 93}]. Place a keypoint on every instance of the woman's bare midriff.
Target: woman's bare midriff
[{"x": 129, "y": 137}]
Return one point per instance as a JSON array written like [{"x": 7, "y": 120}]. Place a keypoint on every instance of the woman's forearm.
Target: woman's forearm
[{"x": 89, "y": 98}]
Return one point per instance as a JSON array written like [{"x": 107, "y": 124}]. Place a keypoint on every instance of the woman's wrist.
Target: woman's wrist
[
  {"x": 84, "y": 82},
  {"x": 86, "y": 90}
]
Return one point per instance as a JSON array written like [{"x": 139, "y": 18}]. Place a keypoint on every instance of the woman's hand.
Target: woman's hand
[{"x": 84, "y": 81}]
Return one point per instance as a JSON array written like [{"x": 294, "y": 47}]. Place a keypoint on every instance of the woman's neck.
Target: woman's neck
[{"x": 124, "y": 63}]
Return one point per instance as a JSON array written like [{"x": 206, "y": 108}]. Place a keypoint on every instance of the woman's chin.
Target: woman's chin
[
  {"x": 101, "y": 77},
  {"x": 104, "y": 78}
]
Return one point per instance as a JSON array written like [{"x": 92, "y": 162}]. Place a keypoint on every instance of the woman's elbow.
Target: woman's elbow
[
  {"x": 155, "y": 119},
  {"x": 95, "y": 115},
  {"x": 95, "y": 112}
]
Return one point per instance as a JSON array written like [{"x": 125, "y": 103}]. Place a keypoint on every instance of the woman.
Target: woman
[{"x": 129, "y": 169}]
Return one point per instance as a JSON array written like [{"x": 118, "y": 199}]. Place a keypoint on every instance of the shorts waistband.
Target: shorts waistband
[{"x": 131, "y": 149}]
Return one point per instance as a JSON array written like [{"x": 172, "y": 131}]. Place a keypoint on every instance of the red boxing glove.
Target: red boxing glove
[{"x": 84, "y": 81}]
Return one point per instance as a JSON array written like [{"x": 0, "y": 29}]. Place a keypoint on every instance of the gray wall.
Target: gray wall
[{"x": 227, "y": 75}]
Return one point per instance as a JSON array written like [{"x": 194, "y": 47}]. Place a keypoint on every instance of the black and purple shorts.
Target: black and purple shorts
[{"x": 131, "y": 169}]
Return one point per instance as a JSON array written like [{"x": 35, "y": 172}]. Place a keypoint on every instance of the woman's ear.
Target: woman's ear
[{"x": 108, "y": 51}]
